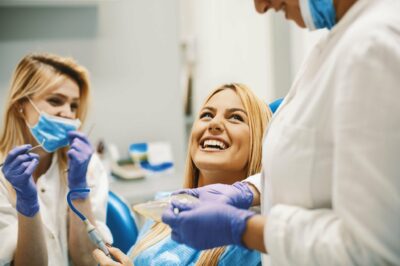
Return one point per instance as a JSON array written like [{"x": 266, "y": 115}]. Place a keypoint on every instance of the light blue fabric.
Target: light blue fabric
[
  {"x": 170, "y": 253},
  {"x": 53, "y": 131},
  {"x": 318, "y": 14}
]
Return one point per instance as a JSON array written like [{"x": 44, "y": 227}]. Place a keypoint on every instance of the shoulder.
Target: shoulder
[{"x": 376, "y": 29}]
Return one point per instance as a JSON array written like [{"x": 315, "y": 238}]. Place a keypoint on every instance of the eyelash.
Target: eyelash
[
  {"x": 237, "y": 117},
  {"x": 57, "y": 102},
  {"x": 206, "y": 114}
]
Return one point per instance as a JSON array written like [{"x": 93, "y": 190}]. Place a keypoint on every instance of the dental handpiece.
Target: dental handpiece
[{"x": 95, "y": 237}]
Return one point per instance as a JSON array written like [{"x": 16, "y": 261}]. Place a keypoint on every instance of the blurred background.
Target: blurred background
[{"x": 152, "y": 62}]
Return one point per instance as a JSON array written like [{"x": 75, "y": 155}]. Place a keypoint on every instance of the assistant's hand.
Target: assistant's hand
[
  {"x": 238, "y": 195},
  {"x": 79, "y": 156},
  {"x": 103, "y": 260},
  {"x": 206, "y": 225},
  {"x": 18, "y": 169}
]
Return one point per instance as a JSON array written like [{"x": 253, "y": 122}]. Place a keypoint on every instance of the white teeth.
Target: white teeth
[{"x": 214, "y": 143}]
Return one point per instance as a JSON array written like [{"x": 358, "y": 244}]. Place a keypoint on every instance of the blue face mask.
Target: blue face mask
[
  {"x": 318, "y": 14},
  {"x": 51, "y": 131}
]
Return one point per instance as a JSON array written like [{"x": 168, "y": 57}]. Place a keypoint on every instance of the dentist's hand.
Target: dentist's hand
[
  {"x": 238, "y": 195},
  {"x": 79, "y": 156},
  {"x": 18, "y": 169},
  {"x": 206, "y": 225}
]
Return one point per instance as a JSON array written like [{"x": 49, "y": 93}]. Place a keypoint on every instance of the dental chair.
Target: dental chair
[
  {"x": 121, "y": 222},
  {"x": 275, "y": 104}
]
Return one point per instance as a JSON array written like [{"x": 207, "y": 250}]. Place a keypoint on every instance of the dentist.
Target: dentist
[
  {"x": 48, "y": 99},
  {"x": 330, "y": 186}
]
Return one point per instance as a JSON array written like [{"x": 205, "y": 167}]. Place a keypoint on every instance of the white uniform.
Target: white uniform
[
  {"x": 54, "y": 212},
  {"x": 331, "y": 156}
]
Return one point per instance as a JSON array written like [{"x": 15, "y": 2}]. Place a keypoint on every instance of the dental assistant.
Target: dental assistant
[
  {"x": 330, "y": 187},
  {"x": 44, "y": 156}
]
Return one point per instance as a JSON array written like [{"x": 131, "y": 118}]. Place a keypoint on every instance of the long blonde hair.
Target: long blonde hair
[
  {"x": 35, "y": 74},
  {"x": 259, "y": 117}
]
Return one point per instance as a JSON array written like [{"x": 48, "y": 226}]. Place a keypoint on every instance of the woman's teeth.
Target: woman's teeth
[{"x": 214, "y": 144}]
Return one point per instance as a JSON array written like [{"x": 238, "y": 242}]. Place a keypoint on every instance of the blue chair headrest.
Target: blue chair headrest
[{"x": 275, "y": 104}]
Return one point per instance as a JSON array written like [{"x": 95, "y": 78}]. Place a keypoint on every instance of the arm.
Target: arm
[
  {"x": 79, "y": 244},
  {"x": 79, "y": 155},
  {"x": 31, "y": 245},
  {"x": 253, "y": 236}
]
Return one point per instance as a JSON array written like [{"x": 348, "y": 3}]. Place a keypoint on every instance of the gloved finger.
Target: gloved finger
[
  {"x": 175, "y": 236},
  {"x": 31, "y": 167},
  {"x": 183, "y": 206},
  {"x": 34, "y": 156},
  {"x": 170, "y": 218},
  {"x": 81, "y": 146},
  {"x": 193, "y": 192},
  {"x": 77, "y": 134},
  {"x": 73, "y": 154},
  {"x": 19, "y": 160},
  {"x": 16, "y": 152},
  {"x": 102, "y": 259}
]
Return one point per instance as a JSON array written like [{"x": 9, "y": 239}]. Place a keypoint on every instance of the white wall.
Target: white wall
[
  {"x": 131, "y": 48},
  {"x": 231, "y": 44}
]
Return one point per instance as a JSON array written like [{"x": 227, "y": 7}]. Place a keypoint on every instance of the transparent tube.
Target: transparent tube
[{"x": 154, "y": 209}]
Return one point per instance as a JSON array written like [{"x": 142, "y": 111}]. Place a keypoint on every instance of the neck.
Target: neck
[
  {"x": 44, "y": 164},
  {"x": 223, "y": 177},
  {"x": 341, "y": 7}
]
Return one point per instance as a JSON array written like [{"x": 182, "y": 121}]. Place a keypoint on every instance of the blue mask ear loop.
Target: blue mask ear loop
[{"x": 94, "y": 235}]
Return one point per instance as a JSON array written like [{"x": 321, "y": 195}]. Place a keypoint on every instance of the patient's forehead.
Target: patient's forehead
[{"x": 225, "y": 99}]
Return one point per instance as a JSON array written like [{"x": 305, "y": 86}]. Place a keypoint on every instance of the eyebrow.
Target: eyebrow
[{"x": 230, "y": 110}]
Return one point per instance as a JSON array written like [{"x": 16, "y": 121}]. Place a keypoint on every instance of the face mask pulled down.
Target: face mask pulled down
[{"x": 318, "y": 14}]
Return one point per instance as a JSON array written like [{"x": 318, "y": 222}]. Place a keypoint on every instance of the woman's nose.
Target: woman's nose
[{"x": 216, "y": 126}]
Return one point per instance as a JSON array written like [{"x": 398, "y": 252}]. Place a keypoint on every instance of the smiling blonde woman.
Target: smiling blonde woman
[{"x": 224, "y": 147}]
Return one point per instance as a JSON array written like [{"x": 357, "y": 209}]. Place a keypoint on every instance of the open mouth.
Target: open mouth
[{"x": 213, "y": 145}]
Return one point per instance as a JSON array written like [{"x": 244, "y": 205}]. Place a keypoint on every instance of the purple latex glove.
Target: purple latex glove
[
  {"x": 206, "y": 225},
  {"x": 238, "y": 195},
  {"x": 18, "y": 169},
  {"x": 79, "y": 156}
]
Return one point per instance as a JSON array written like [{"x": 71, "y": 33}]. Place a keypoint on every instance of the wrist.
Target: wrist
[
  {"x": 27, "y": 206},
  {"x": 238, "y": 225}
]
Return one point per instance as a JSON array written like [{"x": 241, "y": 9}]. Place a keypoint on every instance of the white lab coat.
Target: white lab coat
[
  {"x": 54, "y": 212},
  {"x": 331, "y": 157}
]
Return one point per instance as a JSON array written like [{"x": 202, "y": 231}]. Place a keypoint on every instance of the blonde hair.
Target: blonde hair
[
  {"x": 259, "y": 117},
  {"x": 34, "y": 75}
]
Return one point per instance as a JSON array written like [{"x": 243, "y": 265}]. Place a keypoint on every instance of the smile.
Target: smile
[{"x": 213, "y": 145}]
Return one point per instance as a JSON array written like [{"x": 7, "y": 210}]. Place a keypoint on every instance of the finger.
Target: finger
[
  {"x": 119, "y": 255},
  {"x": 193, "y": 192},
  {"x": 77, "y": 134},
  {"x": 73, "y": 154},
  {"x": 102, "y": 259},
  {"x": 19, "y": 160},
  {"x": 169, "y": 217},
  {"x": 16, "y": 152},
  {"x": 80, "y": 146},
  {"x": 31, "y": 167},
  {"x": 183, "y": 206}
]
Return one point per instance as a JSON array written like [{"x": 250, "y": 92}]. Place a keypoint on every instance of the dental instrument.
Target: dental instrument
[
  {"x": 28, "y": 151},
  {"x": 94, "y": 235}
]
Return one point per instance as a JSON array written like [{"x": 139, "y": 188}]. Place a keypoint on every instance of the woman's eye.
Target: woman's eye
[
  {"x": 206, "y": 115},
  {"x": 74, "y": 107},
  {"x": 55, "y": 102},
  {"x": 237, "y": 117}
]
